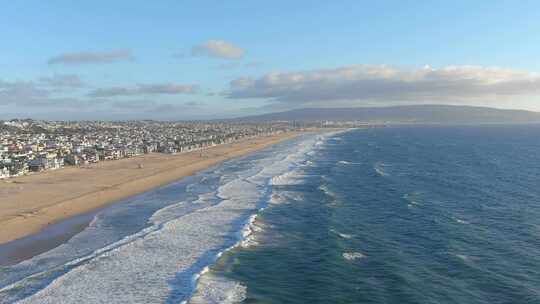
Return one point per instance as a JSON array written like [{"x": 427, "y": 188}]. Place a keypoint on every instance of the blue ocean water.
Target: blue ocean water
[
  {"x": 402, "y": 215},
  {"x": 382, "y": 215}
]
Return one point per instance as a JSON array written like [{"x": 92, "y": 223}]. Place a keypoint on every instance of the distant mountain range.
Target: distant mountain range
[{"x": 440, "y": 114}]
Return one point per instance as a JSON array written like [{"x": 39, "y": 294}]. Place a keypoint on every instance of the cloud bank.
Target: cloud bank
[
  {"x": 382, "y": 83},
  {"x": 22, "y": 93},
  {"x": 145, "y": 89},
  {"x": 62, "y": 81},
  {"x": 218, "y": 49},
  {"x": 89, "y": 57}
]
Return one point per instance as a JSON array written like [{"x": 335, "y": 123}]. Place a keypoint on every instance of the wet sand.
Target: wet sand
[
  {"x": 48, "y": 238},
  {"x": 29, "y": 204}
]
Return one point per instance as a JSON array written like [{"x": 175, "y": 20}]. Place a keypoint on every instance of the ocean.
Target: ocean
[{"x": 410, "y": 214}]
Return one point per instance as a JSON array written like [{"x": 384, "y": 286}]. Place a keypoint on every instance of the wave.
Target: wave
[
  {"x": 287, "y": 178},
  {"x": 341, "y": 235},
  {"x": 247, "y": 238},
  {"x": 379, "y": 169},
  {"x": 324, "y": 188},
  {"x": 140, "y": 265},
  {"x": 344, "y": 162},
  {"x": 460, "y": 221},
  {"x": 462, "y": 257},
  {"x": 276, "y": 198},
  {"x": 169, "y": 258},
  {"x": 309, "y": 163},
  {"x": 351, "y": 256},
  {"x": 217, "y": 289},
  {"x": 412, "y": 199},
  {"x": 175, "y": 210}
]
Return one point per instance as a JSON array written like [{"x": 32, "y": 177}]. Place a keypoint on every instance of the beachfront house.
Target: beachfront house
[
  {"x": 39, "y": 163},
  {"x": 4, "y": 171},
  {"x": 72, "y": 159}
]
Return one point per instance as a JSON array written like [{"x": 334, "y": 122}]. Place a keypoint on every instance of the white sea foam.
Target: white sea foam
[
  {"x": 247, "y": 236},
  {"x": 462, "y": 257},
  {"x": 219, "y": 290},
  {"x": 344, "y": 162},
  {"x": 287, "y": 178},
  {"x": 141, "y": 264},
  {"x": 413, "y": 204},
  {"x": 460, "y": 221},
  {"x": 379, "y": 168},
  {"x": 351, "y": 256},
  {"x": 140, "y": 268},
  {"x": 216, "y": 289},
  {"x": 324, "y": 188},
  {"x": 276, "y": 198},
  {"x": 342, "y": 235},
  {"x": 172, "y": 211},
  {"x": 167, "y": 258},
  {"x": 412, "y": 198}
]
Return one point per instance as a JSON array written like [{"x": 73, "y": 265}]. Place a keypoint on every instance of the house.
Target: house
[
  {"x": 39, "y": 163},
  {"x": 72, "y": 159},
  {"x": 4, "y": 171}
]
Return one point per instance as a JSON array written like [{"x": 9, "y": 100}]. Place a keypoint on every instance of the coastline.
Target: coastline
[
  {"x": 32, "y": 203},
  {"x": 50, "y": 237},
  {"x": 180, "y": 237}
]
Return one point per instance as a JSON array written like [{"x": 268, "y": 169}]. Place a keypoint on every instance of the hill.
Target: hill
[{"x": 445, "y": 114}]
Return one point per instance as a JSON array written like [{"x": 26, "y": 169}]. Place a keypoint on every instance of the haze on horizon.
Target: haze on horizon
[{"x": 206, "y": 59}]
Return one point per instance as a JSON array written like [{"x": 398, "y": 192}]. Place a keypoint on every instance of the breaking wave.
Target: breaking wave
[
  {"x": 351, "y": 256},
  {"x": 379, "y": 168},
  {"x": 167, "y": 259}
]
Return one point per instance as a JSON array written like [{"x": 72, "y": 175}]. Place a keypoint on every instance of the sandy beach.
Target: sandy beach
[{"x": 30, "y": 203}]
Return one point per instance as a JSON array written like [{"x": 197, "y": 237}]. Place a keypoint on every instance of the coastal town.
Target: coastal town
[{"x": 28, "y": 146}]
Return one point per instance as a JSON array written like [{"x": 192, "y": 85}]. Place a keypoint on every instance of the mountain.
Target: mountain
[{"x": 403, "y": 114}]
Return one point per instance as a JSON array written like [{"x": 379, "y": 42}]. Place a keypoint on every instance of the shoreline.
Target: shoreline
[
  {"x": 50, "y": 237},
  {"x": 33, "y": 203}
]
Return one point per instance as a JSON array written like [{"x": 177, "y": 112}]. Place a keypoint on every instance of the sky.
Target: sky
[{"x": 176, "y": 60}]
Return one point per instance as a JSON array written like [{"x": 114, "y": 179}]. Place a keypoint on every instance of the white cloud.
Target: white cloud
[
  {"x": 382, "y": 83},
  {"x": 218, "y": 49},
  {"x": 91, "y": 57}
]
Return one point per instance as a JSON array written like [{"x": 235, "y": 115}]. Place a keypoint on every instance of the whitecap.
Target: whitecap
[
  {"x": 276, "y": 198},
  {"x": 217, "y": 289},
  {"x": 351, "y": 256},
  {"x": 462, "y": 257},
  {"x": 342, "y": 235},
  {"x": 344, "y": 162},
  {"x": 379, "y": 169},
  {"x": 324, "y": 188},
  {"x": 411, "y": 198},
  {"x": 460, "y": 221}
]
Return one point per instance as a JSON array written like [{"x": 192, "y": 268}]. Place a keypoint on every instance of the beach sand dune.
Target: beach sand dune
[{"x": 30, "y": 203}]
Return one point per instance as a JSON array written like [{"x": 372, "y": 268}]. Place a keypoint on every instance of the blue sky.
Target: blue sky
[{"x": 208, "y": 59}]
